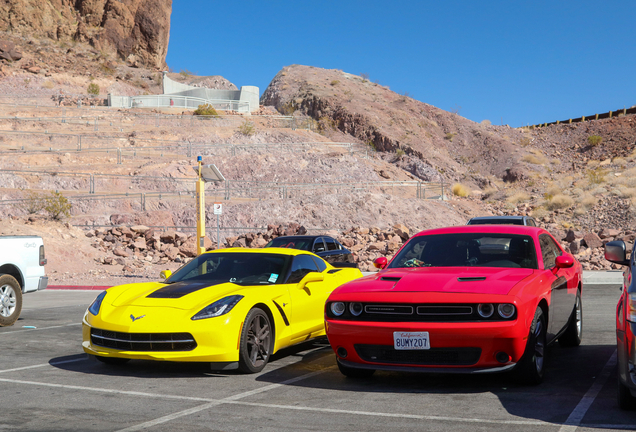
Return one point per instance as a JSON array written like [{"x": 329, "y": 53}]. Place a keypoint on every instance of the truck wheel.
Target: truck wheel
[{"x": 10, "y": 300}]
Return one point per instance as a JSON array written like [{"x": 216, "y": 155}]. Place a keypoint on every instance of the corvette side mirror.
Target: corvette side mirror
[
  {"x": 564, "y": 261},
  {"x": 615, "y": 251},
  {"x": 165, "y": 274},
  {"x": 380, "y": 263}
]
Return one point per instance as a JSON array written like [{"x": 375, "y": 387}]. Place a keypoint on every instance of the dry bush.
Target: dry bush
[
  {"x": 525, "y": 141},
  {"x": 539, "y": 213},
  {"x": 559, "y": 202},
  {"x": 486, "y": 122},
  {"x": 205, "y": 110},
  {"x": 587, "y": 201},
  {"x": 598, "y": 191},
  {"x": 594, "y": 140},
  {"x": 247, "y": 128},
  {"x": 620, "y": 161},
  {"x": 460, "y": 190},
  {"x": 57, "y": 206},
  {"x": 32, "y": 202},
  {"x": 626, "y": 192},
  {"x": 335, "y": 82},
  {"x": 488, "y": 192},
  {"x": 518, "y": 197},
  {"x": 596, "y": 175},
  {"x": 48, "y": 84},
  {"x": 535, "y": 157}
]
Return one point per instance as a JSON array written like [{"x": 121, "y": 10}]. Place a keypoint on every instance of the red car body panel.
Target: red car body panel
[{"x": 526, "y": 288}]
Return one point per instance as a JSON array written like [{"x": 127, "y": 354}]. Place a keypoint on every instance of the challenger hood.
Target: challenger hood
[
  {"x": 179, "y": 295},
  {"x": 488, "y": 280}
]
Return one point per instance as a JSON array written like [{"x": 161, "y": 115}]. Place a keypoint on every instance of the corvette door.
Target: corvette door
[{"x": 308, "y": 295}]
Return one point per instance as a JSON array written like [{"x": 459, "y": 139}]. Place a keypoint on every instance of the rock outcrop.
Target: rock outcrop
[{"x": 138, "y": 30}]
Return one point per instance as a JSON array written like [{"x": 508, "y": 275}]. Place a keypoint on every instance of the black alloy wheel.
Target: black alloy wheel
[
  {"x": 256, "y": 342},
  {"x": 574, "y": 332},
  {"x": 531, "y": 368}
]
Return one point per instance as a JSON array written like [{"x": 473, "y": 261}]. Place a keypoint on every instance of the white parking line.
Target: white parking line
[
  {"x": 42, "y": 365},
  {"x": 575, "y": 418},
  {"x": 229, "y": 399},
  {"x": 38, "y": 328}
]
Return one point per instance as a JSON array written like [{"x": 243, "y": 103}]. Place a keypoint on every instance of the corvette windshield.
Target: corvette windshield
[
  {"x": 239, "y": 268},
  {"x": 468, "y": 249}
]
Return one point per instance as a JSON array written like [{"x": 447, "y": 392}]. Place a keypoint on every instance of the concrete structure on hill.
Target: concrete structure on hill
[{"x": 179, "y": 95}]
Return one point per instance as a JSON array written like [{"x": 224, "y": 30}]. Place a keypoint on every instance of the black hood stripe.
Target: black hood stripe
[{"x": 180, "y": 289}]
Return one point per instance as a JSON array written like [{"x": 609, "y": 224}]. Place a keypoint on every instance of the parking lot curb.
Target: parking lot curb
[{"x": 610, "y": 277}]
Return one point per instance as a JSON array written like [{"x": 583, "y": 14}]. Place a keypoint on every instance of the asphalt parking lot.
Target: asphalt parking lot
[{"x": 48, "y": 384}]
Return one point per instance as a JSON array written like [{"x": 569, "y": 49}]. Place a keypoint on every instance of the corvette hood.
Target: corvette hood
[
  {"x": 498, "y": 281},
  {"x": 179, "y": 295}
]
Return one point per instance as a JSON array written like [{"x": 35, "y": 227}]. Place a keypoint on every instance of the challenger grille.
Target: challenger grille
[
  {"x": 143, "y": 341},
  {"x": 430, "y": 357}
]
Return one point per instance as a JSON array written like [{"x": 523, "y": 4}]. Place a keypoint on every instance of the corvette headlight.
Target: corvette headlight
[
  {"x": 218, "y": 308},
  {"x": 506, "y": 310},
  {"x": 338, "y": 308},
  {"x": 97, "y": 303}
]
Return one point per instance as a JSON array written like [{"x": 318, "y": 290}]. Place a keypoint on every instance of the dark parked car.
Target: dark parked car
[
  {"x": 325, "y": 247},
  {"x": 616, "y": 252},
  {"x": 503, "y": 220}
]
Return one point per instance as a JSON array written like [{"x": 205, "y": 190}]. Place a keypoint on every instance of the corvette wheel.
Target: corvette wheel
[
  {"x": 625, "y": 399},
  {"x": 574, "y": 333},
  {"x": 532, "y": 364},
  {"x": 256, "y": 342},
  {"x": 112, "y": 360},
  {"x": 350, "y": 372},
  {"x": 10, "y": 300}
]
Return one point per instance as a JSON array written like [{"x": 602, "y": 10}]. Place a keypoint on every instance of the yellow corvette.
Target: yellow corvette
[{"x": 232, "y": 307}]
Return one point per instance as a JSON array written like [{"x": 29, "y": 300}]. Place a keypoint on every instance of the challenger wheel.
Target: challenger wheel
[
  {"x": 257, "y": 342},
  {"x": 574, "y": 332},
  {"x": 625, "y": 399},
  {"x": 10, "y": 300},
  {"x": 354, "y": 372},
  {"x": 531, "y": 367}
]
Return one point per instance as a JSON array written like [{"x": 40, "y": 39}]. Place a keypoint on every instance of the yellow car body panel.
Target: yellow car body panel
[{"x": 296, "y": 311}]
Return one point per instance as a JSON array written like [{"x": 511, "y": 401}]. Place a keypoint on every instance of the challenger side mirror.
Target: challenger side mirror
[
  {"x": 380, "y": 263},
  {"x": 615, "y": 251},
  {"x": 564, "y": 261}
]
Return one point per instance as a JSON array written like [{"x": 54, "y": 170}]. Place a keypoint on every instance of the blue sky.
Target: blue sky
[{"x": 518, "y": 62}]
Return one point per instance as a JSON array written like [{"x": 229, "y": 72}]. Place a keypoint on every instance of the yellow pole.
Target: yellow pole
[{"x": 200, "y": 212}]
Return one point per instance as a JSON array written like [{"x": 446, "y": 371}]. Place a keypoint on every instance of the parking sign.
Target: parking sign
[{"x": 218, "y": 208}]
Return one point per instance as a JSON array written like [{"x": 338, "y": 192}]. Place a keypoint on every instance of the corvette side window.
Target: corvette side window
[
  {"x": 322, "y": 266},
  {"x": 302, "y": 265}
]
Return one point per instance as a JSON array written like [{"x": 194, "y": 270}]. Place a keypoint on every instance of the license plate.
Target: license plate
[{"x": 411, "y": 341}]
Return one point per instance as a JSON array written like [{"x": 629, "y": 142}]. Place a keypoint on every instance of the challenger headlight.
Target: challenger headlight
[
  {"x": 355, "y": 309},
  {"x": 218, "y": 308},
  {"x": 506, "y": 310},
  {"x": 485, "y": 310},
  {"x": 97, "y": 303},
  {"x": 338, "y": 308}
]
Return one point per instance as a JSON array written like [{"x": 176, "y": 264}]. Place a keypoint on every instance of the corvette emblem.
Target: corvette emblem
[
  {"x": 284, "y": 304},
  {"x": 132, "y": 317}
]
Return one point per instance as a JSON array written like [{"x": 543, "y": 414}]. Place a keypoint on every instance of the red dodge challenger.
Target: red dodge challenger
[{"x": 468, "y": 299}]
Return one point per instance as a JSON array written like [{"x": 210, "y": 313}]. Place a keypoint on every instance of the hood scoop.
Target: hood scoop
[
  {"x": 471, "y": 279},
  {"x": 390, "y": 278}
]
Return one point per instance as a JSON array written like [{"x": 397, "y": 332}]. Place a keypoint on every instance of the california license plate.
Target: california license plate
[{"x": 411, "y": 341}]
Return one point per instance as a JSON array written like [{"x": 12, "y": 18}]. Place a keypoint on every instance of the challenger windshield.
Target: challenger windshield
[
  {"x": 468, "y": 249},
  {"x": 238, "y": 268}
]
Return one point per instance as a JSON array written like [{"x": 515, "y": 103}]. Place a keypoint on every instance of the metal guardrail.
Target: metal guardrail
[{"x": 609, "y": 114}]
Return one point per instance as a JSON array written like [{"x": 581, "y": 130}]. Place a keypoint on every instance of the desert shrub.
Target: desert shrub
[
  {"x": 588, "y": 201},
  {"x": 488, "y": 192},
  {"x": 48, "y": 84},
  {"x": 460, "y": 190},
  {"x": 518, "y": 197},
  {"x": 620, "y": 161},
  {"x": 627, "y": 192},
  {"x": 32, "y": 202},
  {"x": 596, "y": 175},
  {"x": 539, "y": 213},
  {"x": 594, "y": 140},
  {"x": 326, "y": 123},
  {"x": 247, "y": 128},
  {"x": 399, "y": 153},
  {"x": 205, "y": 110},
  {"x": 287, "y": 109},
  {"x": 364, "y": 76},
  {"x": 449, "y": 136},
  {"x": 486, "y": 122},
  {"x": 57, "y": 206},
  {"x": 525, "y": 141},
  {"x": 371, "y": 144},
  {"x": 535, "y": 158},
  {"x": 93, "y": 89},
  {"x": 348, "y": 95},
  {"x": 185, "y": 73},
  {"x": 559, "y": 202},
  {"x": 335, "y": 82}
]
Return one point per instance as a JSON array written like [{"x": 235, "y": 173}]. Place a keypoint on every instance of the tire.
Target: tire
[
  {"x": 112, "y": 360},
  {"x": 350, "y": 372},
  {"x": 532, "y": 365},
  {"x": 626, "y": 401},
  {"x": 10, "y": 300},
  {"x": 257, "y": 342},
  {"x": 574, "y": 332}
]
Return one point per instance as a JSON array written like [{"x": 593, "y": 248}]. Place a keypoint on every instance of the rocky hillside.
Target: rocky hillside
[{"x": 137, "y": 30}]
